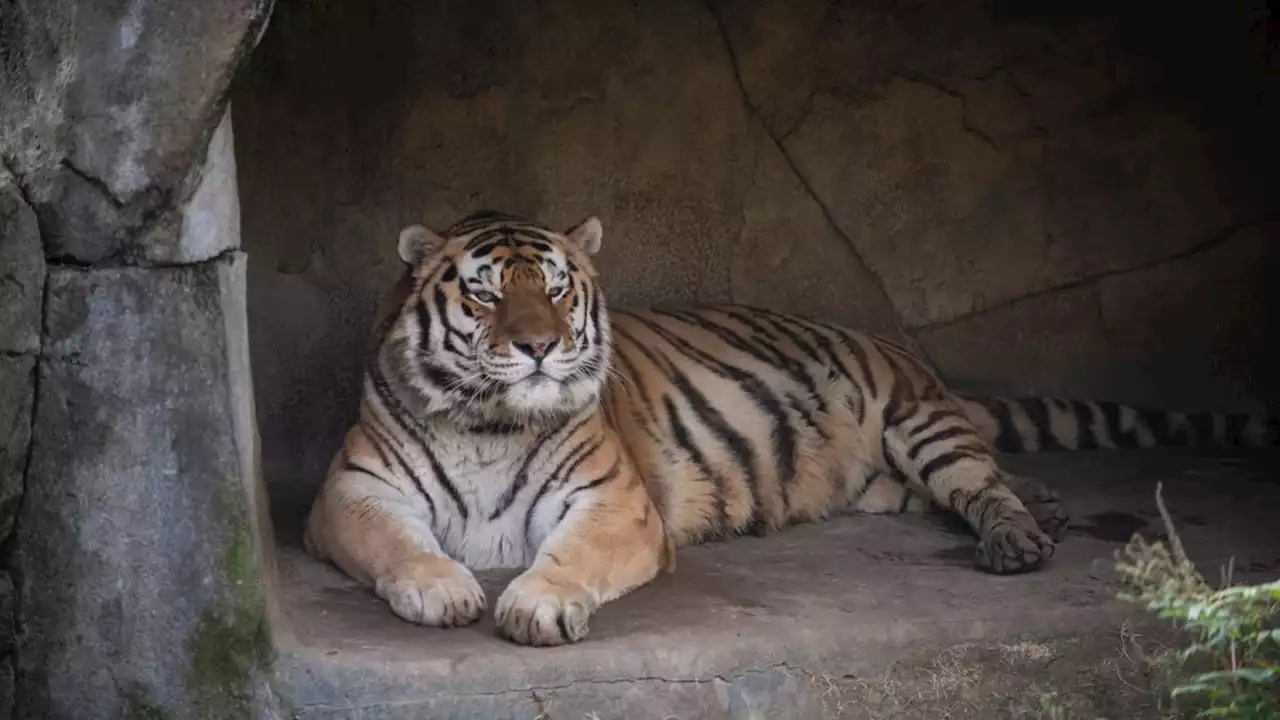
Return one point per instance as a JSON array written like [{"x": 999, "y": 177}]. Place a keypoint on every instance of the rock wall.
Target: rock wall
[
  {"x": 133, "y": 577},
  {"x": 22, "y": 277},
  {"x": 1072, "y": 204}
]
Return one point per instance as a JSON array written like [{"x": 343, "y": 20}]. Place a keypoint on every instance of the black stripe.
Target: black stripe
[
  {"x": 1202, "y": 423},
  {"x": 450, "y": 332},
  {"x": 1159, "y": 425},
  {"x": 1236, "y": 426},
  {"x": 1038, "y": 413},
  {"x": 807, "y": 415},
  {"x": 1087, "y": 438},
  {"x": 593, "y": 312},
  {"x": 1007, "y": 440},
  {"x": 480, "y": 236},
  {"x": 860, "y": 356},
  {"x": 568, "y": 471},
  {"x": 376, "y": 436},
  {"x": 352, "y": 467},
  {"x": 1111, "y": 416},
  {"x": 887, "y": 454},
  {"x": 609, "y": 474},
  {"x": 563, "y": 626},
  {"x": 633, "y": 374},
  {"x": 893, "y": 413},
  {"x": 945, "y": 434},
  {"x": 934, "y": 417},
  {"x": 685, "y": 442},
  {"x": 906, "y": 499},
  {"x": 783, "y": 435},
  {"x": 495, "y": 428},
  {"x": 492, "y": 242},
  {"x": 767, "y": 354},
  {"x": 522, "y": 475},
  {"x": 782, "y": 328},
  {"x": 743, "y": 453},
  {"x": 833, "y": 359},
  {"x": 575, "y": 456},
  {"x": 398, "y": 413},
  {"x": 579, "y": 451},
  {"x": 946, "y": 460}
]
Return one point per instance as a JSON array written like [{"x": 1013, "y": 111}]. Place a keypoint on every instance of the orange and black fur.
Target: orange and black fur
[{"x": 510, "y": 419}]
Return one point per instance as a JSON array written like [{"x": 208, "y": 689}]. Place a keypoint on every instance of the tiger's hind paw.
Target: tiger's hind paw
[
  {"x": 1013, "y": 547},
  {"x": 1042, "y": 502}
]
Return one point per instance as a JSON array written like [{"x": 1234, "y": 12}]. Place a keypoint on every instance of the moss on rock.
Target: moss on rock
[{"x": 232, "y": 644}]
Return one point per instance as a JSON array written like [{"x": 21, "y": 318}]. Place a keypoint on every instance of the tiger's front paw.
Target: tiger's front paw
[
  {"x": 433, "y": 590},
  {"x": 1013, "y": 547},
  {"x": 534, "y": 610}
]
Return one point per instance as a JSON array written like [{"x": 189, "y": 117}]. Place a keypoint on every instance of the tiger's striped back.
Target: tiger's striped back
[{"x": 744, "y": 419}]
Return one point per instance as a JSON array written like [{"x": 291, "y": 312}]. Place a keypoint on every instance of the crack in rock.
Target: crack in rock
[{"x": 734, "y": 63}]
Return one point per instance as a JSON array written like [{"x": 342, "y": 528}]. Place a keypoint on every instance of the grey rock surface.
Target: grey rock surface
[
  {"x": 17, "y": 391},
  {"x": 122, "y": 98},
  {"x": 865, "y": 616},
  {"x": 135, "y": 546},
  {"x": 211, "y": 217},
  {"x": 21, "y": 271}
]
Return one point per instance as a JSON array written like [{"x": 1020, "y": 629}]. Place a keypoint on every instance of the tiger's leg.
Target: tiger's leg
[
  {"x": 366, "y": 527},
  {"x": 609, "y": 541},
  {"x": 942, "y": 452}
]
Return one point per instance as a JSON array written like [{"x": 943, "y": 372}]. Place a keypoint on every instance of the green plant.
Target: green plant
[{"x": 1234, "y": 642}]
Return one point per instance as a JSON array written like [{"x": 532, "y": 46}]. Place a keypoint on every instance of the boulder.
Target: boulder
[{"x": 137, "y": 549}]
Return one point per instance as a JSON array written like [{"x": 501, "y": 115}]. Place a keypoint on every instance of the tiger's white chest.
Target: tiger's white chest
[{"x": 493, "y": 522}]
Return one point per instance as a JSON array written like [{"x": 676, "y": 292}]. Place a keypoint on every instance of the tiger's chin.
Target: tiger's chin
[
  {"x": 535, "y": 395},
  {"x": 545, "y": 398}
]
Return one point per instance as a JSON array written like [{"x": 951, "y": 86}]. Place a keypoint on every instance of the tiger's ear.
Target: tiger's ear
[
  {"x": 587, "y": 235},
  {"x": 417, "y": 243}
]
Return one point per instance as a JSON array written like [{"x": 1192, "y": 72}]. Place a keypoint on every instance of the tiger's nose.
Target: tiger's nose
[{"x": 536, "y": 350}]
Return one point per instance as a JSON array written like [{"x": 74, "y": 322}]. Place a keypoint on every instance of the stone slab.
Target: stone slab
[
  {"x": 21, "y": 272},
  {"x": 134, "y": 547},
  {"x": 860, "y": 617}
]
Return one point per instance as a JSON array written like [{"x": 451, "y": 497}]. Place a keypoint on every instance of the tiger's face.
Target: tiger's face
[{"x": 506, "y": 322}]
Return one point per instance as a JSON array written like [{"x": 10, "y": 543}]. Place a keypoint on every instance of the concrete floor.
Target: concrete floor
[{"x": 858, "y": 617}]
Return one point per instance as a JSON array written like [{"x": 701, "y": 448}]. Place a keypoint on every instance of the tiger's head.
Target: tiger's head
[{"x": 503, "y": 321}]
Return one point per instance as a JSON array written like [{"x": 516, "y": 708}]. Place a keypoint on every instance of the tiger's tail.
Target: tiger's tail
[{"x": 1032, "y": 424}]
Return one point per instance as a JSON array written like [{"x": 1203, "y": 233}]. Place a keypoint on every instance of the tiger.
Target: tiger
[{"x": 510, "y": 419}]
